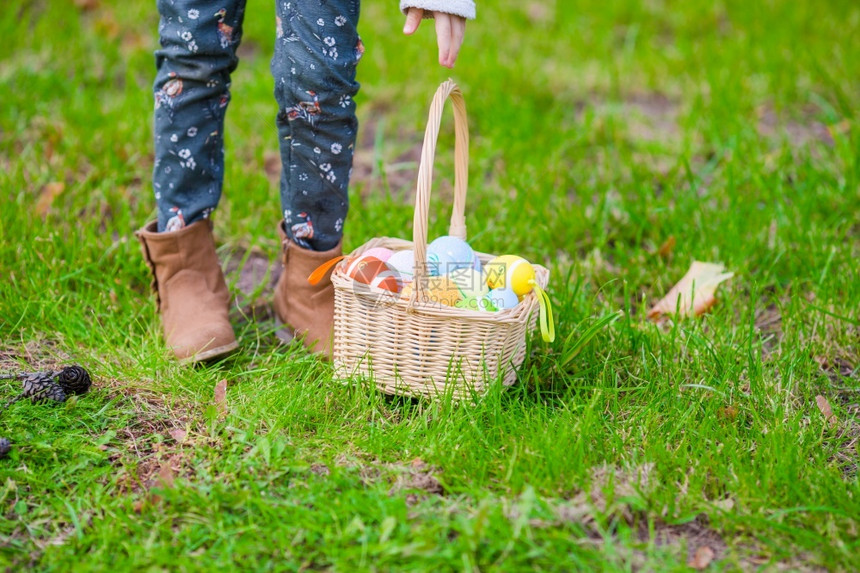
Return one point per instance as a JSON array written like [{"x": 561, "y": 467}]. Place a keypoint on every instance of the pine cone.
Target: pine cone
[
  {"x": 41, "y": 389},
  {"x": 5, "y": 447},
  {"x": 74, "y": 380}
]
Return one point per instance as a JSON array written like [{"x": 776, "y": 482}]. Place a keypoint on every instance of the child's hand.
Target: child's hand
[{"x": 450, "y": 30}]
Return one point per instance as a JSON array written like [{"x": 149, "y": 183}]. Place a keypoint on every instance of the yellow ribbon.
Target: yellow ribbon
[{"x": 547, "y": 324}]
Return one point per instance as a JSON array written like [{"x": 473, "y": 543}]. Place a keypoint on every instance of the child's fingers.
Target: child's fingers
[
  {"x": 413, "y": 18},
  {"x": 458, "y": 32},
  {"x": 443, "y": 38}
]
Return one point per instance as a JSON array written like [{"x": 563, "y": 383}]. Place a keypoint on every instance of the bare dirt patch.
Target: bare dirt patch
[
  {"x": 697, "y": 536},
  {"x": 254, "y": 276},
  {"x": 419, "y": 480},
  {"x": 651, "y": 116},
  {"x": 838, "y": 369},
  {"x": 416, "y": 479},
  {"x": 385, "y": 161},
  {"x": 768, "y": 322},
  {"x": 799, "y": 132}
]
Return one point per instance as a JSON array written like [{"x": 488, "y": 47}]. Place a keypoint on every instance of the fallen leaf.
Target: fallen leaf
[
  {"x": 694, "y": 293},
  {"x": 138, "y": 506},
  {"x": 107, "y": 26},
  {"x": 702, "y": 558},
  {"x": 86, "y": 5},
  {"x": 667, "y": 247},
  {"x": 272, "y": 164},
  {"x": 178, "y": 434},
  {"x": 840, "y": 128},
  {"x": 729, "y": 412},
  {"x": 221, "y": 396},
  {"x": 49, "y": 192},
  {"x": 539, "y": 12},
  {"x": 166, "y": 473},
  {"x": 826, "y": 410}
]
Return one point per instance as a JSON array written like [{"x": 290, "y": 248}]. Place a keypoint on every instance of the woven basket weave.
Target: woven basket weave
[{"x": 417, "y": 347}]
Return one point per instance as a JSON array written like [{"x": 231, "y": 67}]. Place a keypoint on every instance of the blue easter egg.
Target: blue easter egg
[
  {"x": 457, "y": 250},
  {"x": 479, "y": 303},
  {"x": 438, "y": 263},
  {"x": 503, "y": 298}
]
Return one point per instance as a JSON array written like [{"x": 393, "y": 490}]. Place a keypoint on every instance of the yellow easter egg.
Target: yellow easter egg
[
  {"x": 495, "y": 272},
  {"x": 510, "y": 271},
  {"x": 439, "y": 289}
]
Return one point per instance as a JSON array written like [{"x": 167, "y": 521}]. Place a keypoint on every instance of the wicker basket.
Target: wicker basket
[{"x": 414, "y": 346}]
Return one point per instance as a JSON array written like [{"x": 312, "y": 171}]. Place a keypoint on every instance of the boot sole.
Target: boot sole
[{"x": 210, "y": 354}]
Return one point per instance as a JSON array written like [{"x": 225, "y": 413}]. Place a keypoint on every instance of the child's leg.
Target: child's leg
[
  {"x": 316, "y": 53},
  {"x": 197, "y": 55},
  {"x": 192, "y": 88}
]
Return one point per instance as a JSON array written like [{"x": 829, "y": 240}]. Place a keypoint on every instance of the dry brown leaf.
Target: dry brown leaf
[
  {"x": 729, "y": 412},
  {"x": 221, "y": 396},
  {"x": 694, "y": 293},
  {"x": 666, "y": 248},
  {"x": 539, "y": 12},
  {"x": 272, "y": 165},
  {"x": 826, "y": 410},
  {"x": 178, "y": 434},
  {"x": 86, "y": 5},
  {"x": 702, "y": 558},
  {"x": 49, "y": 192},
  {"x": 107, "y": 26},
  {"x": 166, "y": 473}
]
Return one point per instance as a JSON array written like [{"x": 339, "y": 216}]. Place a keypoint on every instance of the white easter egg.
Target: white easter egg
[{"x": 403, "y": 262}]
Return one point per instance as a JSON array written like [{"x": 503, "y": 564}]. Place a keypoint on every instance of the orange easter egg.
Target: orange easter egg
[
  {"x": 372, "y": 271},
  {"x": 443, "y": 290}
]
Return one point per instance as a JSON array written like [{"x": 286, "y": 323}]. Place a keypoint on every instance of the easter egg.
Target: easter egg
[
  {"x": 458, "y": 251},
  {"x": 479, "y": 303},
  {"x": 502, "y": 298},
  {"x": 371, "y": 271},
  {"x": 380, "y": 253},
  {"x": 469, "y": 281},
  {"x": 443, "y": 290},
  {"x": 438, "y": 263},
  {"x": 510, "y": 271},
  {"x": 439, "y": 289},
  {"x": 403, "y": 262},
  {"x": 476, "y": 264}
]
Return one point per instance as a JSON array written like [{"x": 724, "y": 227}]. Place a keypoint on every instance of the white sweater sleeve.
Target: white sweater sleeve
[{"x": 464, "y": 8}]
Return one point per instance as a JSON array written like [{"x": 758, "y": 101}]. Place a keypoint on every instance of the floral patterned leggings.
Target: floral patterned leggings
[{"x": 314, "y": 63}]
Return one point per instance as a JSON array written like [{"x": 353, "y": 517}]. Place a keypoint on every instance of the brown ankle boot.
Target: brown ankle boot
[
  {"x": 190, "y": 290},
  {"x": 307, "y": 309}
]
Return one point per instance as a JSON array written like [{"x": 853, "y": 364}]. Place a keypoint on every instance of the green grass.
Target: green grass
[{"x": 599, "y": 130}]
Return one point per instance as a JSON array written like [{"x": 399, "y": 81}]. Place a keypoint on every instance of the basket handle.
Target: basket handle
[{"x": 457, "y": 228}]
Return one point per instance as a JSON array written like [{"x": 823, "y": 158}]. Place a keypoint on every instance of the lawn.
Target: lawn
[{"x": 612, "y": 142}]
